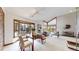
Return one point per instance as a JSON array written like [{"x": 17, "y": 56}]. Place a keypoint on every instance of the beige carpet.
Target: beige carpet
[{"x": 51, "y": 44}]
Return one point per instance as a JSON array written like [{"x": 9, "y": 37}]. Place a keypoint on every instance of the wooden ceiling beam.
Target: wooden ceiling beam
[
  {"x": 25, "y": 22},
  {"x": 45, "y": 21},
  {"x": 49, "y": 20},
  {"x": 52, "y": 19}
]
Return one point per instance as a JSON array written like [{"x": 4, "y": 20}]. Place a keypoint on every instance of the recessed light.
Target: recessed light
[
  {"x": 74, "y": 10},
  {"x": 71, "y": 11}
]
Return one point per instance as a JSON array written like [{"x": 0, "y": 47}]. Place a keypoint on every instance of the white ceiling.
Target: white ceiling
[
  {"x": 21, "y": 11},
  {"x": 53, "y": 22},
  {"x": 39, "y": 13}
]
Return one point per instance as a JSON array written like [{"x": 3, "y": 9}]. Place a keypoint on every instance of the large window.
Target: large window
[
  {"x": 52, "y": 26},
  {"x": 22, "y": 27}
]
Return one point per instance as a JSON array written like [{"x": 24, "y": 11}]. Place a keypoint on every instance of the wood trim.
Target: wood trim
[
  {"x": 56, "y": 24},
  {"x": 20, "y": 21},
  {"x": 52, "y": 19},
  {"x": 10, "y": 43},
  {"x": 7, "y": 44},
  {"x": 25, "y": 22},
  {"x": 45, "y": 21},
  {"x": 13, "y": 29},
  {"x": 47, "y": 26},
  {"x": 3, "y": 28}
]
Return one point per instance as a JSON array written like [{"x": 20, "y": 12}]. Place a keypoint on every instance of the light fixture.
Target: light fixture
[{"x": 71, "y": 11}]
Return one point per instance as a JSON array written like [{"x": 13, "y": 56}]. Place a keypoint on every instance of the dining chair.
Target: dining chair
[
  {"x": 43, "y": 38},
  {"x": 24, "y": 43}
]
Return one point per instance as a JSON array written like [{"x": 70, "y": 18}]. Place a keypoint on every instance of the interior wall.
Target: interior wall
[
  {"x": 61, "y": 22},
  {"x": 8, "y": 28},
  {"x": 1, "y": 28},
  {"x": 9, "y": 18},
  {"x": 78, "y": 20},
  {"x": 66, "y": 19}
]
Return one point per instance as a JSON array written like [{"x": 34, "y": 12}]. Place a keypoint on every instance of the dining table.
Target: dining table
[{"x": 34, "y": 37}]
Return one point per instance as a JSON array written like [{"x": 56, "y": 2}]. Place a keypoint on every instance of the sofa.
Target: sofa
[{"x": 68, "y": 33}]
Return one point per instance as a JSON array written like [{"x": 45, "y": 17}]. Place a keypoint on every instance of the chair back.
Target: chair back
[{"x": 21, "y": 43}]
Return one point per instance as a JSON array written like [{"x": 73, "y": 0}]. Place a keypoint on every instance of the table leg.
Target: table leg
[
  {"x": 41, "y": 41},
  {"x": 33, "y": 45}
]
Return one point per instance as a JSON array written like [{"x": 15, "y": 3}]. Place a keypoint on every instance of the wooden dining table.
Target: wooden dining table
[{"x": 34, "y": 37}]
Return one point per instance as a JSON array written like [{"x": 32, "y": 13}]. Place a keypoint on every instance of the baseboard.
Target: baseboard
[{"x": 10, "y": 43}]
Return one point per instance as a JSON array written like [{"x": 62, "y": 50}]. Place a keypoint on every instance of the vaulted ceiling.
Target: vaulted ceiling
[{"x": 39, "y": 13}]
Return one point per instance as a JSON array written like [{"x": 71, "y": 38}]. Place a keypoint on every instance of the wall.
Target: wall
[
  {"x": 61, "y": 22},
  {"x": 8, "y": 28},
  {"x": 66, "y": 19},
  {"x": 78, "y": 20},
  {"x": 9, "y": 25},
  {"x": 1, "y": 27}
]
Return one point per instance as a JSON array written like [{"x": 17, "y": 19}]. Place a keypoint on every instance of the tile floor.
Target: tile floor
[{"x": 51, "y": 44}]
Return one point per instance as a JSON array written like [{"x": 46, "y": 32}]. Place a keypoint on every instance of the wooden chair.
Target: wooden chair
[
  {"x": 24, "y": 43},
  {"x": 43, "y": 37}
]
